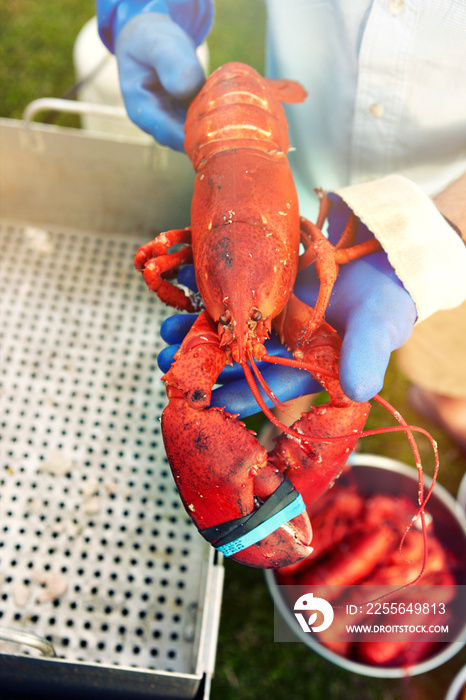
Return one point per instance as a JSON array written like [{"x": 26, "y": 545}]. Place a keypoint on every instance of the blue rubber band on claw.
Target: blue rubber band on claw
[
  {"x": 266, "y": 528},
  {"x": 284, "y": 504}
]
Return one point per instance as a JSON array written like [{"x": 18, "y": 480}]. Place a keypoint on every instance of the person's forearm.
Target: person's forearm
[{"x": 451, "y": 202}]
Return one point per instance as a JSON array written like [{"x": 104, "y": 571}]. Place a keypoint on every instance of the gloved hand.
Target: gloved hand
[
  {"x": 234, "y": 393},
  {"x": 155, "y": 46},
  {"x": 369, "y": 308}
]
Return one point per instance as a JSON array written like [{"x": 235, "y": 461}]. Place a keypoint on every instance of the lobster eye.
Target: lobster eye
[
  {"x": 255, "y": 315},
  {"x": 225, "y": 318}
]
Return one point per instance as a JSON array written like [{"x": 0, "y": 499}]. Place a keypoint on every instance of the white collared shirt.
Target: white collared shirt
[
  {"x": 387, "y": 89},
  {"x": 384, "y": 123}
]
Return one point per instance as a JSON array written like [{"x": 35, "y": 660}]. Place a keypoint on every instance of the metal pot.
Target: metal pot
[{"x": 380, "y": 474}]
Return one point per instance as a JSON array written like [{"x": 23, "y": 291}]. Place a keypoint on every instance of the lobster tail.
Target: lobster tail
[{"x": 238, "y": 108}]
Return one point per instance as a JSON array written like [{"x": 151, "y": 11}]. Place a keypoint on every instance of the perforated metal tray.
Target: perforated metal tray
[{"x": 86, "y": 493}]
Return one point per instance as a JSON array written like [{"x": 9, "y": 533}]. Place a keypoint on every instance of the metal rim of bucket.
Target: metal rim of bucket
[
  {"x": 459, "y": 683},
  {"x": 462, "y": 493},
  {"x": 451, "y": 648}
]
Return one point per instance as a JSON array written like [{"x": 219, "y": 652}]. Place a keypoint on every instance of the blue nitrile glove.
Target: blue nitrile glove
[
  {"x": 369, "y": 307},
  {"x": 234, "y": 393},
  {"x": 155, "y": 45}
]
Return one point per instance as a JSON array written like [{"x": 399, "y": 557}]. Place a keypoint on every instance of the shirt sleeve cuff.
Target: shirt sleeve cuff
[{"x": 426, "y": 253}]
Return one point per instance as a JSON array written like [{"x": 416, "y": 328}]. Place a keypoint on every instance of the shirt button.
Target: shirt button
[
  {"x": 377, "y": 110},
  {"x": 395, "y": 7}
]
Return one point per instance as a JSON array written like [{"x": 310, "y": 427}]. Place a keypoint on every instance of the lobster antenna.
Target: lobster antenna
[
  {"x": 403, "y": 427},
  {"x": 273, "y": 419},
  {"x": 266, "y": 410},
  {"x": 408, "y": 430},
  {"x": 421, "y": 498},
  {"x": 275, "y": 400},
  {"x": 291, "y": 362}
]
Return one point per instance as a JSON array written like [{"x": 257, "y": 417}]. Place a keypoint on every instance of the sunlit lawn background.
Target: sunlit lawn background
[{"x": 36, "y": 43}]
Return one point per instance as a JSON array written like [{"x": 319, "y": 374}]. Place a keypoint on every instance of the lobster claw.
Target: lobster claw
[
  {"x": 240, "y": 502},
  {"x": 282, "y": 506}
]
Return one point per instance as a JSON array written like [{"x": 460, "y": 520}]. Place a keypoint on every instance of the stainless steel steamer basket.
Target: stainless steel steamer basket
[{"x": 86, "y": 494}]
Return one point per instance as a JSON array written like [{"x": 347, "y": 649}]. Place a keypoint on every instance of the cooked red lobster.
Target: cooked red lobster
[
  {"x": 358, "y": 546},
  {"x": 244, "y": 241}
]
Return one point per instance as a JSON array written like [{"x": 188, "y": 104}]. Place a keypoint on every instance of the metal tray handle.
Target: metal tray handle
[
  {"x": 28, "y": 639},
  {"x": 58, "y": 104}
]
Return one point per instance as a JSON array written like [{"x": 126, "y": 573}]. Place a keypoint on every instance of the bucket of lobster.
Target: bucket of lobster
[{"x": 353, "y": 600}]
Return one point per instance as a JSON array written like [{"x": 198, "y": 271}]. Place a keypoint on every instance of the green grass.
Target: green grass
[
  {"x": 238, "y": 33},
  {"x": 36, "y": 41},
  {"x": 37, "y": 38}
]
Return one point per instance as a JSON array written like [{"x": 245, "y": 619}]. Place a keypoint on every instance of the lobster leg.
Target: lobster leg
[
  {"x": 155, "y": 263},
  {"x": 328, "y": 258},
  {"x": 238, "y": 500}
]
